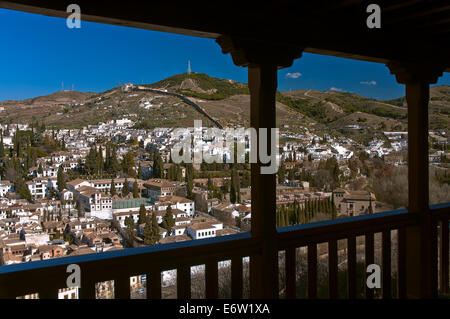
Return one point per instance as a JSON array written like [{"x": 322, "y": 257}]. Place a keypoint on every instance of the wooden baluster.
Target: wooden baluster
[
  {"x": 154, "y": 284},
  {"x": 370, "y": 259},
  {"x": 290, "y": 273},
  {"x": 312, "y": 271},
  {"x": 386, "y": 264},
  {"x": 332, "y": 269},
  {"x": 122, "y": 287},
  {"x": 236, "y": 277},
  {"x": 87, "y": 290},
  {"x": 212, "y": 280},
  {"x": 184, "y": 282},
  {"x": 48, "y": 294},
  {"x": 444, "y": 251},
  {"x": 401, "y": 263},
  {"x": 351, "y": 267}
]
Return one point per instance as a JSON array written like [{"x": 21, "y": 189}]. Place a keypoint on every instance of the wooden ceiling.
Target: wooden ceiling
[{"x": 411, "y": 30}]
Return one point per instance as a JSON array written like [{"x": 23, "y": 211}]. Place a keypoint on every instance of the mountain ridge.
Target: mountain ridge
[{"x": 227, "y": 101}]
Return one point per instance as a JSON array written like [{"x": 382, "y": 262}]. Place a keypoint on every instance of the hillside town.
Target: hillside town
[{"x": 66, "y": 192}]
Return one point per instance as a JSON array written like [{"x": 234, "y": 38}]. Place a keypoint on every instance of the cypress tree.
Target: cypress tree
[
  {"x": 100, "y": 163},
  {"x": 286, "y": 218},
  {"x": 155, "y": 229},
  {"x": 158, "y": 168},
  {"x": 277, "y": 218},
  {"x": 61, "y": 179},
  {"x": 148, "y": 232},
  {"x": 135, "y": 189},
  {"x": 189, "y": 178},
  {"x": 142, "y": 214},
  {"x": 233, "y": 187},
  {"x": 302, "y": 216},
  {"x": 2, "y": 147},
  {"x": 130, "y": 225},
  {"x": 112, "y": 190},
  {"x": 107, "y": 165},
  {"x": 22, "y": 188},
  {"x": 126, "y": 188},
  {"x": 238, "y": 188},
  {"x": 282, "y": 218},
  {"x": 139, "y": 172},
  {"x": 168, "y": 220},
  {"x": 333, "y": 208},
  {"x": 114, "y": 163}
]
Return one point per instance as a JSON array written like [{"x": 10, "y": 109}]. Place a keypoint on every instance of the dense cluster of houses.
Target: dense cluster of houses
[
  {"x": 40, "y": 231},
  {"x": 86, "y": 217}
]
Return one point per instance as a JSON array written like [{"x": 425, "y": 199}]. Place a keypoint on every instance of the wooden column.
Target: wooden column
[
  {"x": 262, "y": 58},
  {"x": 262, "y": 81},
  {"x": 420, "y": 240}
]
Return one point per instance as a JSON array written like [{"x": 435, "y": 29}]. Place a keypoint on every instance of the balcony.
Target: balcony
[{"x": 264, "y": 41}]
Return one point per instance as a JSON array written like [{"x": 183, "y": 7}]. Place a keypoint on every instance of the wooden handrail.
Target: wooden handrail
[
  {"x": 32, "y": 277},
  {"x": 440, "y": 210},
  {"x": 320, "y": 232}
]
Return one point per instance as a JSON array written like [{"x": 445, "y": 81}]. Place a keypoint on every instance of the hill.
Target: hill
[
  {"x": 228, "y": 102},
  {"x": 202, "y": 86}
]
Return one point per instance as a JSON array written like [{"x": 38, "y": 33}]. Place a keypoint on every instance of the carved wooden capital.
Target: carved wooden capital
[
  {"x": 409, "y": 72},
  {"x": 250, "y": 53}
]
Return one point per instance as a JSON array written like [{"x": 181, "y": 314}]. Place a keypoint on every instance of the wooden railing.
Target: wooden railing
[
  {"x": 311, "y": 235},
  {"x": 46, "y": 277}
]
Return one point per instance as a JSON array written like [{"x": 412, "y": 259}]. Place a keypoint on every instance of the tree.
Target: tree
[
  {"x": 112, "y": 190},
  {"x": 92, "y": 161},
  {"x": 135, "y": 189},
  {"x": 282, "y": 217},
  {"x": 233, "y": 197},
  {"x": 128, "y": 164},
  {"x": 152, "y": 235},
  {"x": 61, "y": 179},
  {"x": 113, "y": 162},
  {"x": 2, "y": 147},
  {"x": 158, "y": 167},
  {"x": 238, "y": 187},
  {"x": 40, "y": 170},
  {"x": 22, "y": 188},
  {"x": 333, "y": 208},
  {"x": 189, "y": 178},
  {"x": 139, "y": 172},
  {"x": 142, "y": 214},
  {"x": 130, "y": 226},
  {"x": 168, "y": 220},
  {"x": 126, "y": 188},
  {"x": 148, "y": 240},
  {"x": 281, "y": 174}
]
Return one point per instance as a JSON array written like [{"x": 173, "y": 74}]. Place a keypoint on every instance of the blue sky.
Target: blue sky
[{"x": 37, "y": 53}]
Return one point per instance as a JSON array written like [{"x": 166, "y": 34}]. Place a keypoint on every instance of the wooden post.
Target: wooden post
[
  {"x": 262, "y": 82},
  {"x": 421, "y": 240},
  {"x": 262, "y": 58}
]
